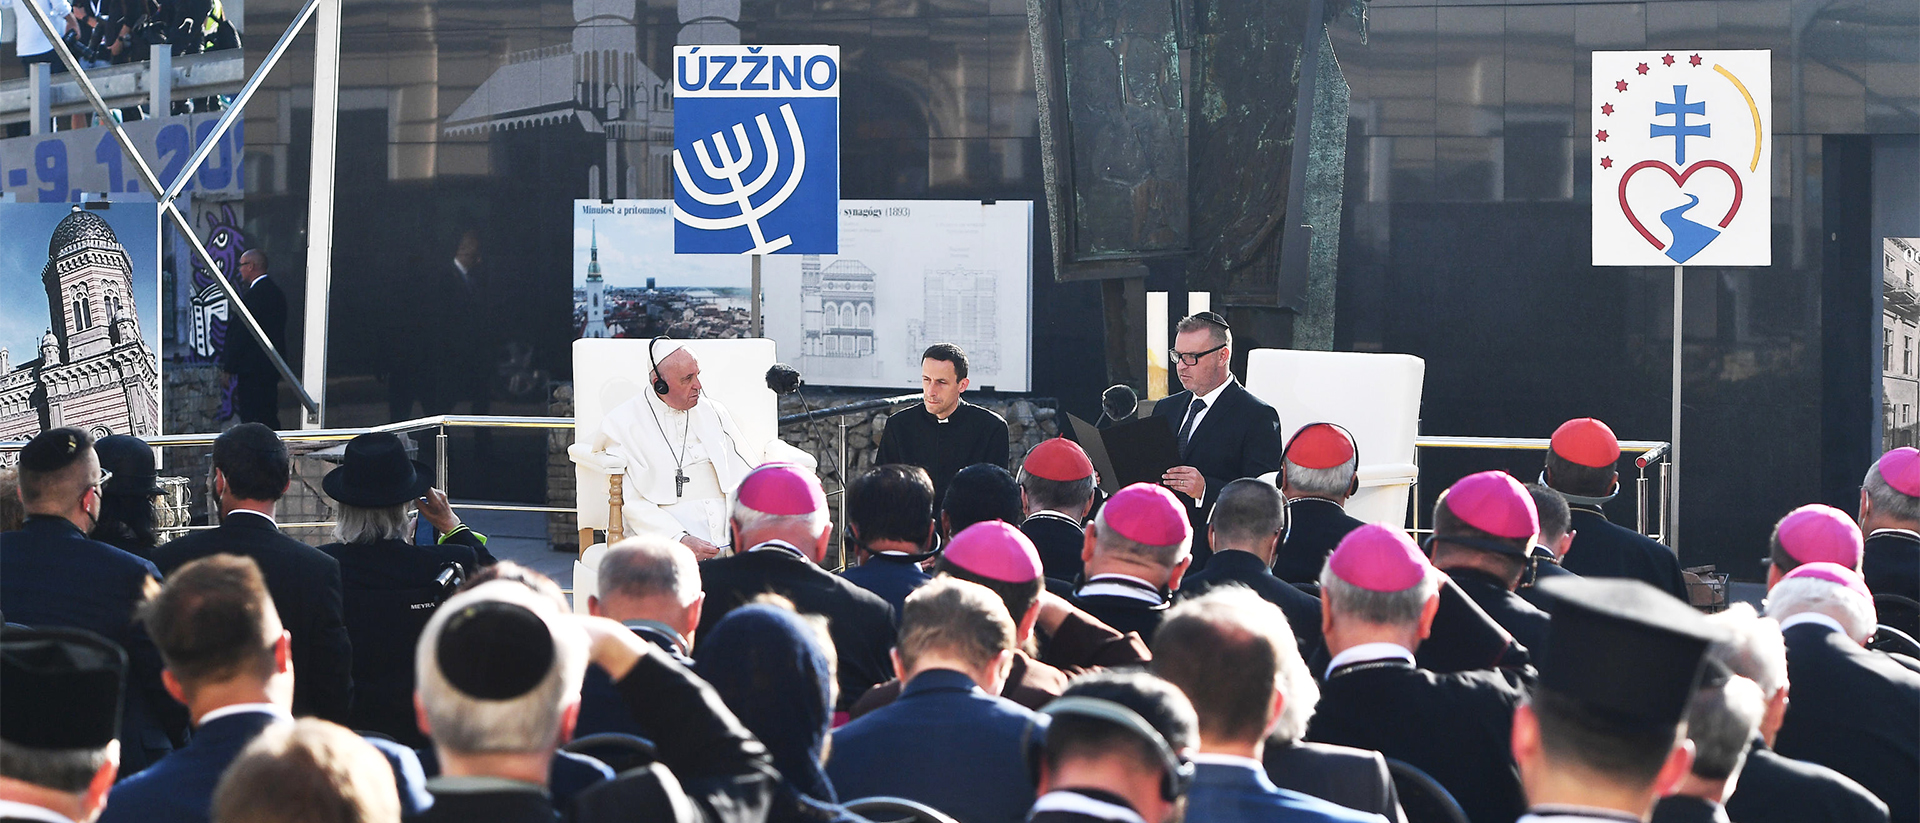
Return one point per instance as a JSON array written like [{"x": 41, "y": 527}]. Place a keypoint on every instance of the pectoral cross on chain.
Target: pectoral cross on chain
[{"x": 680, "y": 479}]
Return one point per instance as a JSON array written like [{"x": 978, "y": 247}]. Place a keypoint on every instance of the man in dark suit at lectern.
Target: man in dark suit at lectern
[
  {"x": 256, "y": 389},
  {"x": 1223, "y": 431}
]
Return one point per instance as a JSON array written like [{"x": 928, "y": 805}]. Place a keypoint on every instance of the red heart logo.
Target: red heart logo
[{"x": 1679, "y": 179}]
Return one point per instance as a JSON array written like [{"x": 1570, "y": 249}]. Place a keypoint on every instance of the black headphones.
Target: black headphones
[
  {"x": 660, "y": 386},
  {"x": 1353, "y": 483},
  {"x": 1176, "y": 770}
]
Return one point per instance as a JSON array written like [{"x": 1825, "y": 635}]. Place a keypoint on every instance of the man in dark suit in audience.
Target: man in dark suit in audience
[
  {"x": 1580, "y": 466},
  {"x": 976, "y": 494},
  {"x": 1775, "y": 789},
  {"x": 652, "y": 586},
  {"x": 780, "y": 527},
  {"x": 956, "y": 648},
  {"x": 231, "y": 663},
  {"x": 1223, "y": 432},
  {"x": 1721, "y": 721},
  {"x": 256, "y": 388},
  {"x": 1890, "y": 516},
  {"x": 1116, "y": 754},
  {"x": 1233, "y": 655},
  {"x": 52, "y": 576},
  {"x": 1853, "y": 710},
  {"x": 1483, "y": 528},
  {"x": 1136, "y": 550},
  {"x": 251, "y": 470},
  {"x": 1317, "y": 475},
  {"x": 1556, "y": 534},
  {"x": 1379, "y": 597},
  {"x": 890, "y": 522},
  {"x": 1248, "y": 519},
  {"x": 1056, "y": 491}
]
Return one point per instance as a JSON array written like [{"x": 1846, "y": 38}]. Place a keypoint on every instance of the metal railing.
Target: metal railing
[{"x": 1650, "y": 453}]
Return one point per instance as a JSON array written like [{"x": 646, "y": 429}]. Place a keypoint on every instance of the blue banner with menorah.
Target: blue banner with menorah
[{"x": 756, "y": 149}]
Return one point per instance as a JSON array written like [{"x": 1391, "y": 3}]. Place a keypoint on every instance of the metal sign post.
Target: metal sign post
[{"x": 1681, "y": 177}]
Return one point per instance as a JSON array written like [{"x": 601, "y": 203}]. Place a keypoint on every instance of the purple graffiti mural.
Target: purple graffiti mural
[{"x": 225, "y": 243}]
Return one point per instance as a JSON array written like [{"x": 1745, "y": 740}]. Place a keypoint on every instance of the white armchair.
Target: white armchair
[
  {"x": 1375, "y": 396},
  {"x": 607, "y": 373}
]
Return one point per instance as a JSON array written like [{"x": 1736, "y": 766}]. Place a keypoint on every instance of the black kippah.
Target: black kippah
[
  {"x": 62, "y": 688},
  {"x": 54, "y": 449},
  {"x": 494, "y": 650}
]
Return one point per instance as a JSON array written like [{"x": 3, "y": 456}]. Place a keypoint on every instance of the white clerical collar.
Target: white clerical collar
[
  {"x": 1122, "y": 585},
  {"x": 1369, "y": 652},
  {"x": 13, "y": 809},
  {"x": 463, "y": 269},
  {"x": 1815, "y": 618},
  {"x": 944, "y": 420},
  {"x": 269, "y": 517},
  {"x": 1052, "y": 513},
  {"x": 779, "y": 545},
  {"x": 1214, "y": 396},
  {"x": 1073, "y": 802},
  {"x": 243, "y": 708},
  {"x": 1217, "y": 759},
  {"x": 1906, "y": 533}
]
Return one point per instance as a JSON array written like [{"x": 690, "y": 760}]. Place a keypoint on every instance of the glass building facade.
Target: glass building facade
[{"x": 1463, "y": 237}]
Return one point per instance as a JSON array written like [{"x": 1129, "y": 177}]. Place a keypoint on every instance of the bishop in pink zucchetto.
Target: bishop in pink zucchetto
[
  {"x": 1136, "y": 550},
  {"x": 781, "y": 489},
  {"x": 1495, "y": 503},
  {"x": 1378, "y": 558},
  {"x": 1484, "y": 530},
  {"x": 1813, "y": 533},
  {"x": 996, "y": 551},
  {"x": 1890, "y": 519}
]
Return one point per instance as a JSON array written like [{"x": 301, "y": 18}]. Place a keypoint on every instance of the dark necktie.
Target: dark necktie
[{"x": 1186, "y": 428}]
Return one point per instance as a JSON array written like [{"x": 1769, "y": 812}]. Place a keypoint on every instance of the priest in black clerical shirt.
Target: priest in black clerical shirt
[{"x": 944, "y": 434}]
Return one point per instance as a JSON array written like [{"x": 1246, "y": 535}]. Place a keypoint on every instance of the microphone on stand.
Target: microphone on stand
[
  {"x": 1118, "y": 404},
  {"x": 783, "y": 379}
]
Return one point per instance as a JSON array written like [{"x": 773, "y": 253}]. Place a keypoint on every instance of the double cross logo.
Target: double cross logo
[{"x": 726, "y": 166}]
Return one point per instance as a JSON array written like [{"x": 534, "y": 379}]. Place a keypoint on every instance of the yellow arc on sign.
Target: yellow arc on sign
[{"x": 1753, "y": 165}]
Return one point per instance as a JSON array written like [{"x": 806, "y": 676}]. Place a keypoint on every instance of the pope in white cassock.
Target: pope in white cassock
[{"x": 684, "y": 455}]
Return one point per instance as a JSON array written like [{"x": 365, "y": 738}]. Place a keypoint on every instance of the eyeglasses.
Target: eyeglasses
[
  {"x": 104, "y": 477},
  {"x": 1194, "y": 358}
]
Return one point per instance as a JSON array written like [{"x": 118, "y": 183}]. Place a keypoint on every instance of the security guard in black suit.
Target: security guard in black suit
[
  {"x": 256, "y": 388},
  {"x": 1580, "y": 466},
  {"x": 1224, "y": 432},
  {"x": 1247, "y": 522},
  {"x": 52, "y": 576},
  {"x": 250, "y": 473},
  {"x": 1318, "y": 472},
  {"x": 1478, "y": 540},
  {"x": 1057, "y": 487}
]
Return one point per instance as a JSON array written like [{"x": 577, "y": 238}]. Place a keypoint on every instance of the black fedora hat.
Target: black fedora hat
[
  {"x": 130, "y": 460},
  {"x": 376, "y": 473}
]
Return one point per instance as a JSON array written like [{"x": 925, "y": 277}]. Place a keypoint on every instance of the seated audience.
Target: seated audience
[
  {"x": 1318, "y": 472},
  {"x": 651, "y": 585},
  {"x": 890, "y": 522},
  {"x": 1057, "y": 485},
  {"x": 1853, "y": 710},
  {"x": 1379, "y": 597},
  {"x": 1116, "y": 749},
  {"x": 1775, "y": 789},
  {"x": 307, "y": 772},
  {"x": 52, "y": 575},
  {"x": 1001, "y": 558},
  {"x": 985, "y": 492},
  {"x": 1602, "y": 735},
  {"x": 1244, "y": 530},
  {"x": 956, "y": 648},
  {"x": 389, "y": 583},
  {"x": 1890, "y": 517},
  {"x": 774, "y": 669},
  {"x": 1483, "y": 532},
  {"x": 251, "y": 470},
  {"x": 1556, "y": 534},
  {"x": 1721, "y": 720},
  {"x": 58, "y": 754},
  {"x": 780, "y": 530},
  {"x": 127, "y": 499},
  {"x": 1136, "y": 550},
  {"x": 1225, "y": 650}
]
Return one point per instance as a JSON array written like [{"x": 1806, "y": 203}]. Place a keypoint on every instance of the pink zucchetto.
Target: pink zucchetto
[
  {"x": 1833, "y": 573},
  {"x": 1379, "y": 559},
  {"x": 1901, "y": 469},
  {"x": 1146, "y": 513},
  {"x": 781, "y": 489},
  {"x": 1820, "y": 534},
  {"x": 1495, "y": 503},
  {"x": 996, "y": 551}
]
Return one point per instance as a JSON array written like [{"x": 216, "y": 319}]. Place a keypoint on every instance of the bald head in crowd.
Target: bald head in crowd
[{"x": 650, "y": 578}]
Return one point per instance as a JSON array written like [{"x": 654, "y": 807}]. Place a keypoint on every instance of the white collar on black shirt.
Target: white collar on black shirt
[
  {"x": 1122, "y": 585},
  {"x": 269, "y": 517},
  {"x": 27, "y": 811},
  {"x": 243, "y": 708},
  {"x": 779, "y": 545},
  {"x": 1369, "y": 652},
  {"x": 1072, "y": 802},
  {"x": 1815, "y": 618},
  {"x": 1906, "y": 533}
]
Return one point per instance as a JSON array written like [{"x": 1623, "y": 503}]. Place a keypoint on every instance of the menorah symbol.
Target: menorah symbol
[{"x": 741, "y": 194}]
